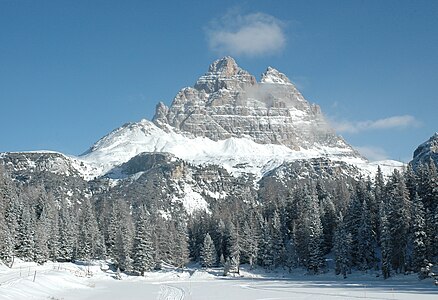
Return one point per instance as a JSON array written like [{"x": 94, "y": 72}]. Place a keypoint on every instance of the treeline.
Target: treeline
[{"x": 368, "y": 224}]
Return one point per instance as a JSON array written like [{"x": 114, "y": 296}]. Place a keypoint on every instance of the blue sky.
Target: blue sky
[{"x": 72, "y": 71}]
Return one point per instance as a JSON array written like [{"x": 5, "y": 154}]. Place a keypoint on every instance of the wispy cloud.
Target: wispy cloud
[
  {"x": 405, "y": 121},
  {"x": 251, "y": 34},
  {"x": 372, "y": 153}
]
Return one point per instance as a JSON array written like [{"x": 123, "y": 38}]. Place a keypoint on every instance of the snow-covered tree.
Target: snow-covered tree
[
  {"x": 419, "y": 258},
  {"x": 232, "y": 242},
  {"x": 399, "y": 218},
  {"x": 208, "y": 252},
  {"x": 309, "y": 232},
  {"x": 25, "y": 241},
  {"x": 89, "y": 242},
  {"x": 386, "y": 245},
  {"x": 142, "y": 251},
  {"x": 365, "y": 254},
  {"x": 67, "y": 233},
  {"x": 342, "y": 249}
]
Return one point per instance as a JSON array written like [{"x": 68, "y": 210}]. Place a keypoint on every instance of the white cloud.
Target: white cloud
[
  {"x": 405, "y": 121},
  {"x": 372, "y": 153},
  {"x": 252, "y": 34}
]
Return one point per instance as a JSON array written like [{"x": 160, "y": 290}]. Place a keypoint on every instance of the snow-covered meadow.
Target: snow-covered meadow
[{"x": 72, "y": 281}]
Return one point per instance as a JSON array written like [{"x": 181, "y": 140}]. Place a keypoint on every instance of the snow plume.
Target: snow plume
[
  {"x": 405, "y": 121},
  {"x": 252, "y": 34}
]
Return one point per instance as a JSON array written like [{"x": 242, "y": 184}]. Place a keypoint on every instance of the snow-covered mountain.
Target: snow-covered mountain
[
  {"x": 228, "y": 102},
  {"x": 224, "y": 138},
  {"x": 230, "y": 120}
]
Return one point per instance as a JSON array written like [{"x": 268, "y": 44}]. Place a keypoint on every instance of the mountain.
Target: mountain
[
  {"x": 426, "y": 151},
  {"x": 225, "y": 138},
  {"x": 228, "y": 102},
  {"x": 231, "y": 120}
]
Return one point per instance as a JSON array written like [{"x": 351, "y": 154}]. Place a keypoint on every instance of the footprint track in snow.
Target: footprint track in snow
[{"x": 168, "y": 292}]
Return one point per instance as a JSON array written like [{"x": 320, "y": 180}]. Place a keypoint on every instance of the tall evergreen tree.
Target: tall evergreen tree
[
  {"x": 250, "y": 241},
  {"x": 365, "y": 253},
  {"x": 67, "y": 233},
  {"x": 7, "y": 243},
  {"x": 208, "y": 252},
  {"x": 142, "y": 251},
  {"x": 309, "y": 231},
  {"x": 419, "y": 237},
  {"x": 89, "y": 244},
  {"x": 232, "y": 242},
  {"x": 25, "y": 242},
  {"x": 386, "y": 244},
  {"x": 342, "y": 249},
  {"x": 398, "y": 220}
]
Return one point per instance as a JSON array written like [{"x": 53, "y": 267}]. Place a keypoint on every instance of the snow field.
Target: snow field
[{"x": 70, "y": 281}]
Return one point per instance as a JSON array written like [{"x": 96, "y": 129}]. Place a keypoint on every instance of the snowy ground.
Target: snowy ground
[{"x": 70, "y": 281}]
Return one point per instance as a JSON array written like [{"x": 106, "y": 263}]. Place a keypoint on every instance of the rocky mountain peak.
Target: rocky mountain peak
[
  {"x": 273, "y": 76},
  {"x": 228, "y": 102},
  {"x": 225, "y": 66},
  {"x": 224, "y": 73},
  {"x": 426, "y": 151}
]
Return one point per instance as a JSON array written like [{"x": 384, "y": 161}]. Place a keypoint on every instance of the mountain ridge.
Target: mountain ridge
[{"x": 230, "y": 120}]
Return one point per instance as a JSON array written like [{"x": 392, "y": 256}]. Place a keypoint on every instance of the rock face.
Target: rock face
[
  {"x": 426, "y": 152},
  {"x": 228, "y": 102}
]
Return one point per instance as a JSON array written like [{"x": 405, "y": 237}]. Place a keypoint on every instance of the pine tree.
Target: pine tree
[
  {"x": 7, "y": 245},
  {"x": 89, "y": 244},
  {"x": 7, "y": 242},
  {"x": 250, "y": 242},
  {"x": 365, "y": 253},
  {"x": 328, "y": 216},
  {"x": 232, "y": 242},
  {"x": 67, "y": 233},
  {"x": 208, "y": 252},
  {"x": 181, "y": 251},
  {"x": 379, "y": 191},
  {"x": 398, "y": 220},
  {"x": 277, "y": 240},
  {"x": 25, "y": 243},
  {"x": 419, "y": 234},
  {"x": 342, "y": 249},
  {"x": 266, "y": 254},
  {"x": 386, "y": 245},
  {"x": 309, "y": 231},
  {"x": 353, "y": 218},
  {"x": 142, "y": 251},
  {"x": 120, "y": 234}
]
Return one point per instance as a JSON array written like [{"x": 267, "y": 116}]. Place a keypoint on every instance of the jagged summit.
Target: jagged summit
[
  {"x": 274, "y": 76},
  {"x": 228, "y": 102},
  {"x": 226, "y": 66},
  {"x": 224, "y": 73}
]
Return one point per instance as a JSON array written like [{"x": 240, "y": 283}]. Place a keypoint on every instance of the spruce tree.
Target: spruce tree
[
  {"x": 419, "y": 237},
  {"x": 25, "y": 242},
  {"x": 89, "y": 243},
  {"x": 386, "y": 245},
  {"x": 142, "y": 251},
  {"x": 342, "y": 249},
  {"x": 232, "y": 242},
  {"x": 6, "y": 244},
  {"x": 309, "y": 231},
  {"x": 398, "y": 220},
  {"x": 67, "y": 233},
  {"x": 365, "y": 247},
  {"x": 208, "y": 252}
]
